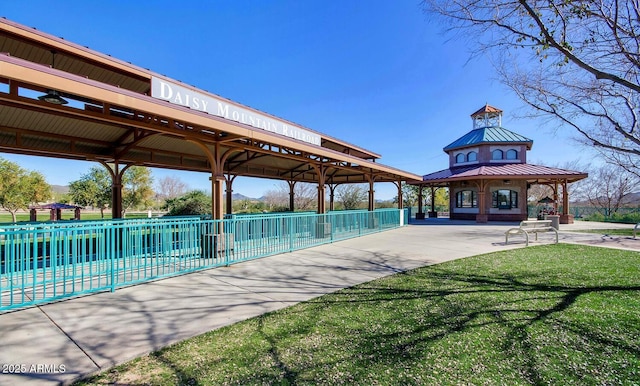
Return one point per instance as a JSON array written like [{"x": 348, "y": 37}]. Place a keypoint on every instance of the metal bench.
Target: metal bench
[{"x": 531, "y": 226}]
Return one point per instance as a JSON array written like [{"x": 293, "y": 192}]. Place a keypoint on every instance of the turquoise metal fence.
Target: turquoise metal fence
[{"x": 44, "y": 262}]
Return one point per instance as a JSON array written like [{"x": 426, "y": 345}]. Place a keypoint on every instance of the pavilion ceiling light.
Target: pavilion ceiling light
[{"x": 53, "y": 96}]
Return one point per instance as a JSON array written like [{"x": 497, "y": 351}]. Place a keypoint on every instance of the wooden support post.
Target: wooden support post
[
  {"x": 372, "y": 205},
  {"x": 292, "y": 195}
]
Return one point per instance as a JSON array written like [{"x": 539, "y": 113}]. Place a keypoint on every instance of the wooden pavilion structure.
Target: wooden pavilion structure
[{"x": 64, "y": 100}]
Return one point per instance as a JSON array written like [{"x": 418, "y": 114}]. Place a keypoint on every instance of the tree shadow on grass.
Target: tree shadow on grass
[
  {"x": 467, "y": 304},
  {"x": 402, "y": 321}
]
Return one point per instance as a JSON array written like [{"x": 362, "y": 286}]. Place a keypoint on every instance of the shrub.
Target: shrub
[{"x": 195, "y": 202}]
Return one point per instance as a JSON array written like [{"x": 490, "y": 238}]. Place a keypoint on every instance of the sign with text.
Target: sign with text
[{"x": 183, "y": 96}]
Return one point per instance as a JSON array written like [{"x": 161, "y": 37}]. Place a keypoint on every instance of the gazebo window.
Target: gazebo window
[
  {"x": 466, "y": 199},
  {"x": 512, "y": 154},
  {"x": 472, "y": 156},
  {"x": 496, "y": 154},
  {"x": 504, "y": 199},
  {"x": 460, "y": 158}
]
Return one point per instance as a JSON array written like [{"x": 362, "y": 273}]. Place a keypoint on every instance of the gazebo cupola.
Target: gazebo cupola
[
  {"x": 488, "y": 142},
  {"x": 487, "y": 116}
]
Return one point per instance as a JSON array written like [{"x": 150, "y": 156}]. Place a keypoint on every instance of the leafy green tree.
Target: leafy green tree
[
  {"x": 410, "y": 197},
  {"x": 195, "y": 202},
  {"x": 92, "y": 189},
  {"x": 95, "y": 188},
  {"x": 441, "y": 199},
  {"x": 137, "y": 188},
  {"x": 63, "y": 198},
  {"x": 249, "y": 206},
  {"x": 19, "y": 187}
]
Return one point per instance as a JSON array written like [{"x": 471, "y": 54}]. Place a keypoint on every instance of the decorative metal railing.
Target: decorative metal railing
[{"x": 44, "y": 262}]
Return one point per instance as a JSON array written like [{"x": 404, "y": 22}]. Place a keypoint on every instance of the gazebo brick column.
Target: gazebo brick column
[{"x": 482, "y": 216}]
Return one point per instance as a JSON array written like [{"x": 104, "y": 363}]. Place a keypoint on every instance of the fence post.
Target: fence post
[
  {"x": 221, "y": 241},
  {"x": 331, "y": 220},
  {"x": 290, "y": 220},
  {"x": 111, "y": 256}
]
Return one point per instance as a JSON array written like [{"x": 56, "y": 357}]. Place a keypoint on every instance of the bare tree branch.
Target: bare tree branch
[{"x": 580, "y": 64}]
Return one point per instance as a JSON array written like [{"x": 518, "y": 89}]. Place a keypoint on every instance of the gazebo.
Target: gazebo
[
  {"x": 55, "y": 209},
  {"x": 489, "y": 177}
]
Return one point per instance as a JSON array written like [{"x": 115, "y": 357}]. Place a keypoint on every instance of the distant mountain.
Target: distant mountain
[
  {"x": 632, "y": 198},
  {"x": 238, "y": 196},
  {"x": 61, "y": 189},
  {"x": 628, "y": 199}
]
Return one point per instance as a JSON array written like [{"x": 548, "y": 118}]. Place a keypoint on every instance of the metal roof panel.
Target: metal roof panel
[
  {"x": 487, "y": 135},
  {"x": 515, "y": 170}
]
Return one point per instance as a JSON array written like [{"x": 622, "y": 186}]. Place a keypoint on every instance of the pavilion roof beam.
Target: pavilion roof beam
[
  {"x": 336, "y": 165},
  {"x": 250, "y": 157},
  {"x": 297, "y": 170},
  {"x": 345, "y": 165},
  {"x": 138, "y": 136}
]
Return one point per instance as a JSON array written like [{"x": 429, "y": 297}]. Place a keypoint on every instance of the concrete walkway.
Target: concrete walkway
[{"x": 62, "y": 342}]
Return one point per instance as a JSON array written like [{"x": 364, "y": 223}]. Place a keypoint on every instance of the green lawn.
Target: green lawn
[
  {"x": 555, "y": 314},
  {"x": 612, "y": 232}
]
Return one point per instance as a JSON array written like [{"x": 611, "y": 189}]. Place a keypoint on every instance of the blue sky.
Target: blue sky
[{"x": 378, "y": 74}]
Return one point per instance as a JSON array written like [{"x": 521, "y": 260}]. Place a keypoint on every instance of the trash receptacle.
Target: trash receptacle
[
  {"x": 323, "y": 229},
  {"x": 555, "y": 220}
]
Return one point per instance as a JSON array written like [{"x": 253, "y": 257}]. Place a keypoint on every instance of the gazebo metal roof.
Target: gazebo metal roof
[
  {"x": 529, "y": 172},
  {"x": 488, "y": 135}
]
